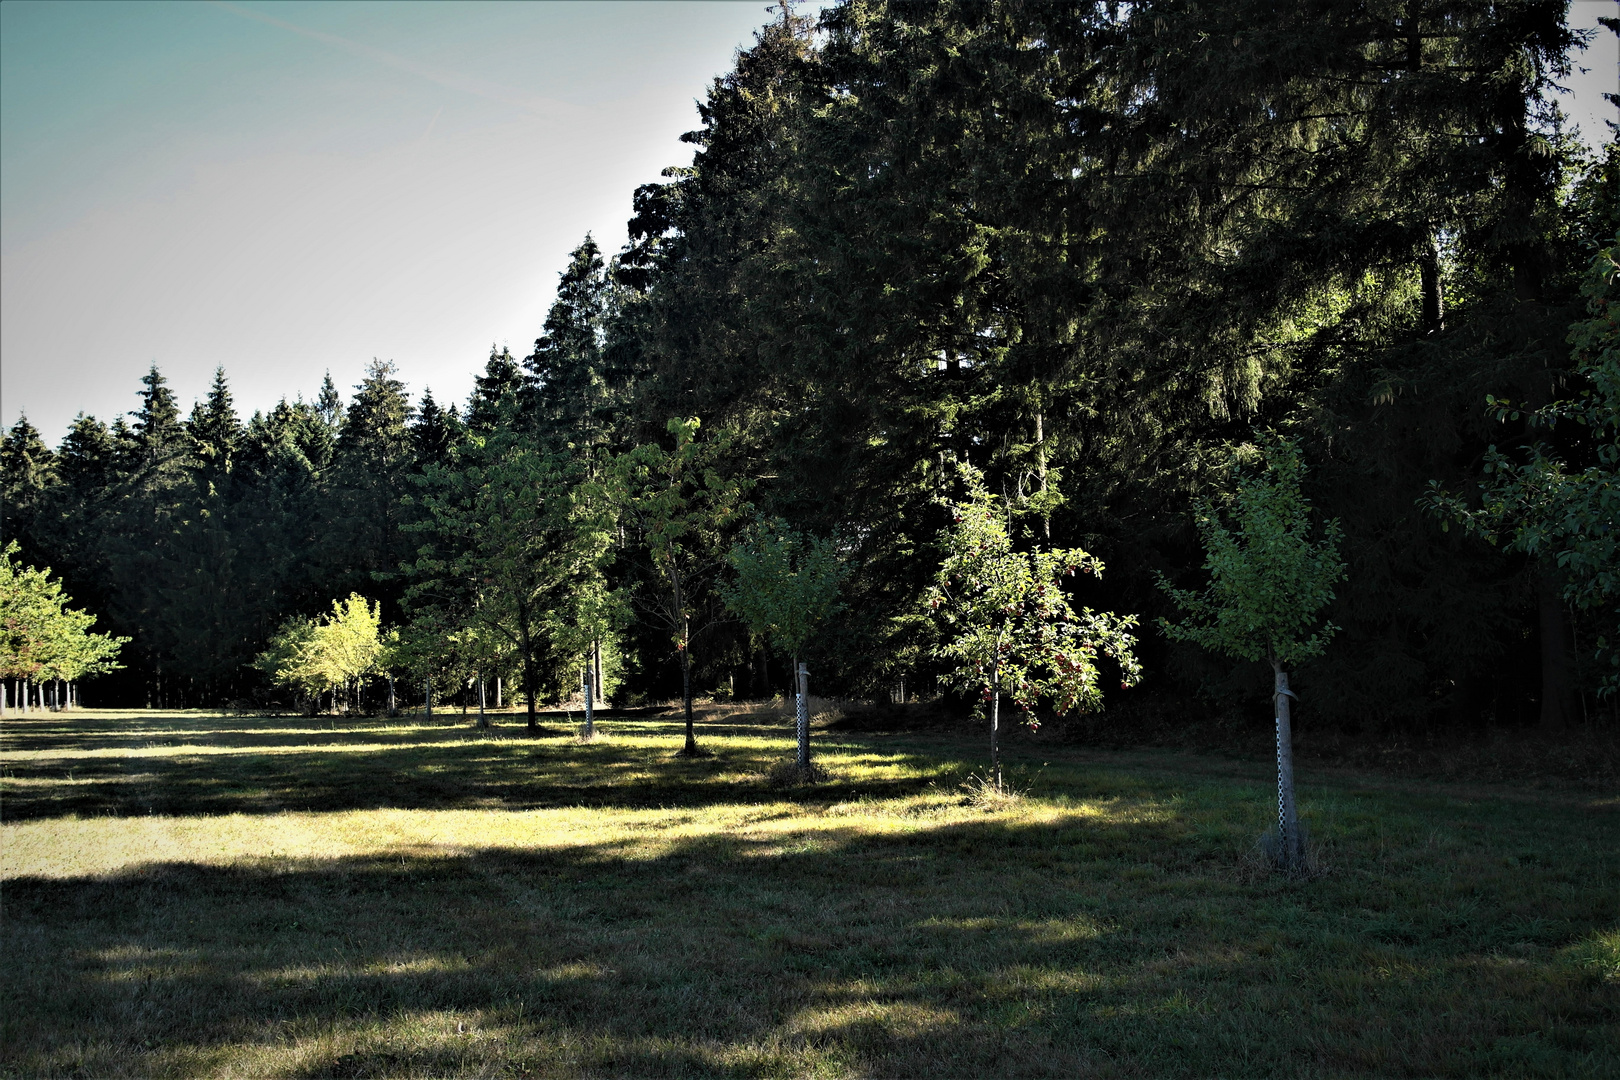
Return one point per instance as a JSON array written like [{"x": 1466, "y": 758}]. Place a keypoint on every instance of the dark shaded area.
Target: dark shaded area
[
  {"x": 937, "y": 714},
  {"x": 723, "y": 940}
]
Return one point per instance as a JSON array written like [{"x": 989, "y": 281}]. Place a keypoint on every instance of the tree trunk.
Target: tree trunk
[
  {"x": 1433, "y": 302},
  {"x": 392, "y": 710},
  {"x": 1291, "y": 853},
  {"x": 802, "y": 713},
  {"x": 531, "y": 680},
  {"x": 995, "y": 723},
  {"x": 497, "y": 691},
  {"x": 531, "y": 674},
  {"x": 483, "y": 718},
  {"x": 1556, "y": 706},
  {"x": 686, "y": 700},
  {"x": 1040, "y": 470},
  {"x": 590, "y": 700},
  {"x": 427, "y": 697},
  {"x": 596, "y": 666}
]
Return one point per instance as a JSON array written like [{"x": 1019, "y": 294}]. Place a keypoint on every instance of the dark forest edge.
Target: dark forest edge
[{"x": 1080, "y": 252}]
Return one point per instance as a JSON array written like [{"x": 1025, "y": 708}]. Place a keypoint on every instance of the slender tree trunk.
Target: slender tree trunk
[
  {"x": 531, "y": 679},
  {"x": 392, "y": 709},
  {"x": 427, "y": 697},
  {"x": 1292, "y": 852},
  {"x": 1556, "y": 710},
  {"x": 497, "y": 691},
  {"x": 686, "y": 700},
  {"x": 803, "y": 713},
  {"x": 5, "y": 699},
  {"x": 1040, "y": 472},
  {"x": 531, "y": 674},
  {"x": 995, "y": 722},
  {"x": 596, "y": 666},
  {"x": 483, "y": 718},
  {"x": 590, "y": 699},
  {"x": 1433, "y": 302}
]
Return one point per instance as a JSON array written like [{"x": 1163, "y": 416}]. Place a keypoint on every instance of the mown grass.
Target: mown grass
[{"x": 191, "y": 894}]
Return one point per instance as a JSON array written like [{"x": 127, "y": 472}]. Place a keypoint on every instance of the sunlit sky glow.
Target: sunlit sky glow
[{"x": 287, "y": 188}]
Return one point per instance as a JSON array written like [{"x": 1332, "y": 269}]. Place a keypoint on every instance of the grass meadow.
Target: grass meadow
[{"x": 194, "y": 894}]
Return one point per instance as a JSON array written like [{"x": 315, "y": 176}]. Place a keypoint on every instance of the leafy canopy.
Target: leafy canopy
[
  {"x": 1268, "y": 578},
  {"x": 315, "y": 656},
  {"x": 787, "y": 584},
  {"x": 681, "y": 504},
  {"x": 40, "y": 636},
  {"x": 1009, "y": 624}
]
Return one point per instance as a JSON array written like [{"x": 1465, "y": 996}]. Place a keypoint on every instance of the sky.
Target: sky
[
  {"x": 287, "y": 188},
  {"x": 290, "y": 188}
]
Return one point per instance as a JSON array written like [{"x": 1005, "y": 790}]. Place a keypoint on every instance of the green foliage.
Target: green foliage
[
  {"x": 1009, "y": 625},
  {"x": 1082, "y": 246},
  {"x": 40, "y": 636},
  {"x": 681, "y": 504},
  {"x": 316, "y": 656},
  {"x": 786, "y": 584},
  {"x": 1549, "y": 508},
  {"x": 512, "y": 537},
  {"x": 1269, "y": 580}
]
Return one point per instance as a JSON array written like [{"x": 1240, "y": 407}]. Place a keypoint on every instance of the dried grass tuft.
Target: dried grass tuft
[
  {"x": 1265, "y": 859},
  {"x": 786, "y": 774},
  {"x": 982, "y": 793}
]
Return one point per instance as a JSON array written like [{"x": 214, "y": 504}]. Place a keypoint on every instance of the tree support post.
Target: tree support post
[
  {"x": 802, "y": 715},
  {"x": 995, "y": 722},
  {"x": 1291, "y": 854},
  {"x": 590, "y": 702}
]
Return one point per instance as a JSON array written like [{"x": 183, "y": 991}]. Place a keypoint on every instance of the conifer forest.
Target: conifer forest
[{"x": 947, "y": 283}]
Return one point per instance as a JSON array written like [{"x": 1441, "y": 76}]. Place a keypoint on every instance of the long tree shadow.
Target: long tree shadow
[{"x": 1054, "y": 948}]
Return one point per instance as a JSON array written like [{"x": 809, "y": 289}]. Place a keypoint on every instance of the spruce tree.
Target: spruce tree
[{"x": 566, "y": 384}]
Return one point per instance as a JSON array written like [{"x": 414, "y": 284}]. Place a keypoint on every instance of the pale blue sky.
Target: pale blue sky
[{"x": 284, "y": 188}]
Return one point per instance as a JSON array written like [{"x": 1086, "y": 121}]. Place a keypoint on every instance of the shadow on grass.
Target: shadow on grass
[{"x": 984, "y": 947}]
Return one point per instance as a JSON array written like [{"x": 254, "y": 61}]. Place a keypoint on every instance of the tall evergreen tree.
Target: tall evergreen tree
[
  {"x": 215, "y": 429},
  {"x": 494, "y": 400},
  {"x": 364, "y": 508},
  {"x": 28, "y": 469},
  {"x": 567, "y": 385},
  {"x": 434, "y": 431}
]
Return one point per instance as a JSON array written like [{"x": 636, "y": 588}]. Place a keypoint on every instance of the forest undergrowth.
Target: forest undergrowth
[{"x": 188, "y": 893}]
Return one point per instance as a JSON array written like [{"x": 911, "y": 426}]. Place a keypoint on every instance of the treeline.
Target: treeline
[{"x": 1085, "y": 248}]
